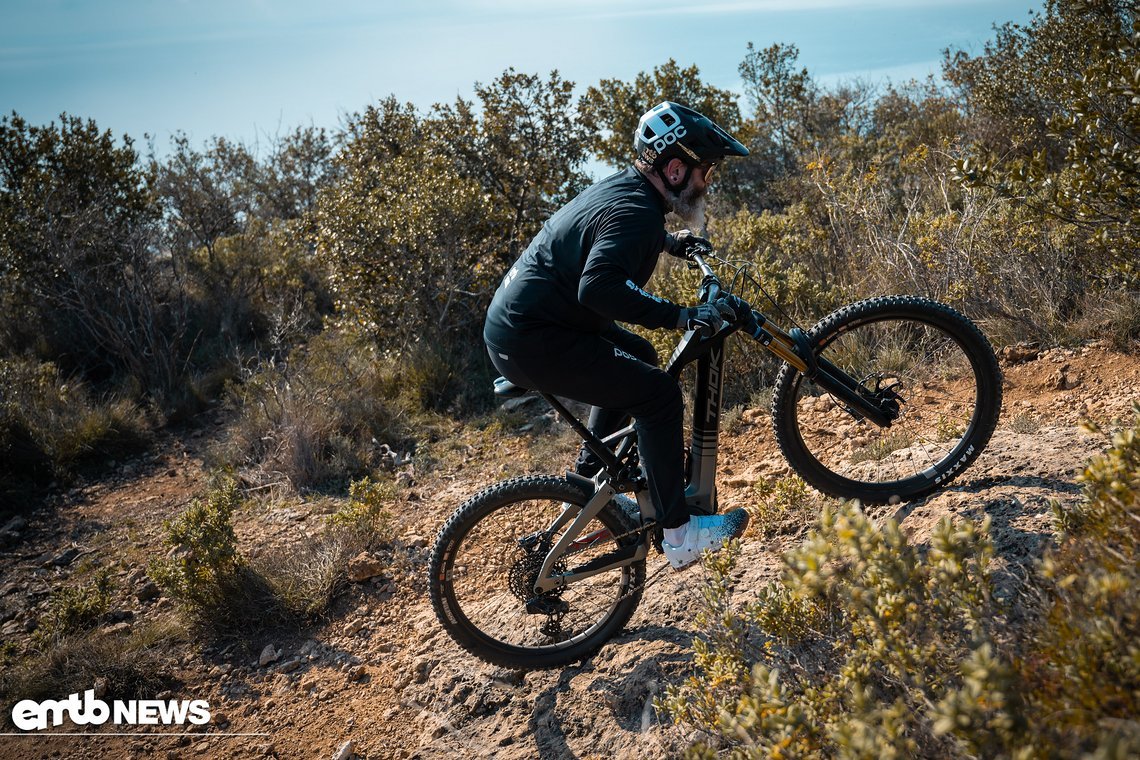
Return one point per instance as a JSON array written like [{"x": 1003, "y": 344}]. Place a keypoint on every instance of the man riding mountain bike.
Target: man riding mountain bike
[{"x": 552, "y": 323}]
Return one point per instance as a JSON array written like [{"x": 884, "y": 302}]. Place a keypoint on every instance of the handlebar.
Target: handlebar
[{"x": 794, "y": 348}]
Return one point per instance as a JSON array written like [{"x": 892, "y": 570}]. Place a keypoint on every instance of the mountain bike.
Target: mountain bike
[{"x": 883, "y": 400}]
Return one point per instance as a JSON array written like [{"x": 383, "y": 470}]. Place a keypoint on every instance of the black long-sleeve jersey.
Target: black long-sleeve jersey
[{"x": 587, "y": 266}]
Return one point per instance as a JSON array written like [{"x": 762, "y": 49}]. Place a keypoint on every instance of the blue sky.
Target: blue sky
[{"x": 250, "y": 68}]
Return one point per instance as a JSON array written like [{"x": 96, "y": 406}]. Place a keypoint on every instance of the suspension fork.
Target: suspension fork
[{"x": 794, "y": 348}]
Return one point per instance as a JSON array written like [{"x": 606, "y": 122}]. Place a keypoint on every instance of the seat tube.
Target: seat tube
[{"x": 701, "y": 492}]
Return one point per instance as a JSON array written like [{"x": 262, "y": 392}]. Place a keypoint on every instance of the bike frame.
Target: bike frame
[{"x": 700, "y": 494}]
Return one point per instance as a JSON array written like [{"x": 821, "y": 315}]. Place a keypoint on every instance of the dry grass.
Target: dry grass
[
  {"x": 135, "y": 665},
  {"x": 1024, "y": 423}
]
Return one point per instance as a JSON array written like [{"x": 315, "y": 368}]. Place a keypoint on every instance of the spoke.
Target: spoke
[
  {"x": 925, "y": 357},
  {"x": 929, "y": 406},
  {"x": 499, "y": 615},
  {"x": 924, "y": 394}
]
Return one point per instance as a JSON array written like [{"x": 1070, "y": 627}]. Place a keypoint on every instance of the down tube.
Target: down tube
[{"x": 701, "y": 492}]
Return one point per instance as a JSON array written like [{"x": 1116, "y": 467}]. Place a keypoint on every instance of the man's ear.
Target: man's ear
[{"x": 675, "y": 170}]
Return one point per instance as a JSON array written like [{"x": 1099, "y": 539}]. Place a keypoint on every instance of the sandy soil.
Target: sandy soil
[{"x": 381, "y": 673}]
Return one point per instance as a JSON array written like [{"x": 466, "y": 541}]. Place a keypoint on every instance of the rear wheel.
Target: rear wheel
[
  {"x": 489, "y": 553},
  {"x": 936, "y": 364}
]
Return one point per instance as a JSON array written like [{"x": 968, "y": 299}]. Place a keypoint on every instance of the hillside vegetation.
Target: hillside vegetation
[{"x": 321, "y": 300}]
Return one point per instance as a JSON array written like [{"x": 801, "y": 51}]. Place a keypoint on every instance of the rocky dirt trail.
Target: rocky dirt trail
[{"x": 382, "y": 676}]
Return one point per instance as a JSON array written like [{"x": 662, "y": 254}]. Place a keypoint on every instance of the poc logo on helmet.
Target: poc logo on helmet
[{"x": 661, "y": 127}]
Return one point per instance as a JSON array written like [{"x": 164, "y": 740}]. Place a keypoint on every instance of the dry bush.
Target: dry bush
[
  {"x": 307, "y": 575},
  {"x": 51, "y": 425},
  {"x": 1024, "y": 423},
  {"x": 317, "y": 418},
  {"x": 135, "y": 665},
  {"x": 1113, "y": 318},
  {"x": 224, "y": 592}
]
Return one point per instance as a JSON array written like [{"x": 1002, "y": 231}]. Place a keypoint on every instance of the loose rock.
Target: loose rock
[
  {"x": 268, "y": 655},
  {"x": 289, "y": 666},
  {"x": 364, "y": 567},
  {"x": 65, "y": 558},
  {"x": 15, "y": 525}
]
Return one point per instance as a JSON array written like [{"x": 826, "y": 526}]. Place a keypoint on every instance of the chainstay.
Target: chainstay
[
  {"x": 571, "y": 552},
  {"x": 649, "y": 579}
]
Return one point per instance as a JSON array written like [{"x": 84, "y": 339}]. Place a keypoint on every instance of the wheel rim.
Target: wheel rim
[
  {"x": 937, "y": 378},
  {"x": 489, "y": 569}
]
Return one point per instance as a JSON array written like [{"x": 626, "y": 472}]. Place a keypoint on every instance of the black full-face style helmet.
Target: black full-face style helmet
[{"x": 670, "y": 130}]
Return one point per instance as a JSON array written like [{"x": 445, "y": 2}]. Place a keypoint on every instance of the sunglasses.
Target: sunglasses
[{"x": 708, "y": 171}]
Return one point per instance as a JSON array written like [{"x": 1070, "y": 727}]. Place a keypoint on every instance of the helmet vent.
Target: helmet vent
[
  {"x": 668, "y": 119},
  {"x": 649, "y": 133}
]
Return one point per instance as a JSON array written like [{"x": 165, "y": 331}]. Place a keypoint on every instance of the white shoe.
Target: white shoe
[{"x": 704, "y": 533}]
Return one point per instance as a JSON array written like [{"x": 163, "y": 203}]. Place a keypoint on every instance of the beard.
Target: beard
[{"x": 690, "y": 204}]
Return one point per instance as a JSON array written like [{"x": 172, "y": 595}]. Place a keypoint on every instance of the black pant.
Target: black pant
[{"x": 614, "y": 371}]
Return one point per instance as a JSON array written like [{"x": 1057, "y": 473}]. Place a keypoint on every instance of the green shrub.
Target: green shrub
[
  {"x": 226, "y": 592},
  {"x": 846, "y": 659},
  {"x": 77, "y": 607},
  {"x": 366, "y": 511},
  {"x": 783, "y": 505},
  {"x": 203, "y": 568},
  {"x": 1082, "y": 666},
  {"x": 872, "y": 647}
]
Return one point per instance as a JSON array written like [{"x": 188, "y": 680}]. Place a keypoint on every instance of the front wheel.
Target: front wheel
[
  {"x": 488, "y": 555},
  {"x": 937, "y": 366}
]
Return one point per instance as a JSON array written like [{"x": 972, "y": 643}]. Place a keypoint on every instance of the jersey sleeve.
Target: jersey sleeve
[{"x": 626, "y": 240}]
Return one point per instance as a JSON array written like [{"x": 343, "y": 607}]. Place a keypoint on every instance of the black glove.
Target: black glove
[
  {"x": 708, "y": 318},
  {"x": 684, "y": 244}
]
